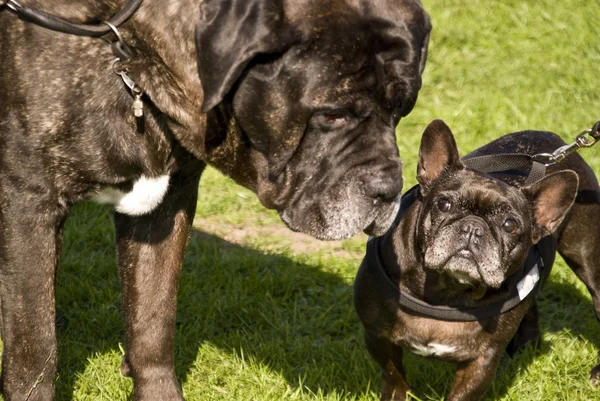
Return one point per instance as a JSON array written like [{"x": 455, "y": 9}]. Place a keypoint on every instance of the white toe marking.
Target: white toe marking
[{"x": 144, "y": 197}]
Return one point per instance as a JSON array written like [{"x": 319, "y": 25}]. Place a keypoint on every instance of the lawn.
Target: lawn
[{"x": 265, "y": 314}]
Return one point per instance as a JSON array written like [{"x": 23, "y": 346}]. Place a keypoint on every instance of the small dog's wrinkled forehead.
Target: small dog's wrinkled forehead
[{"x": 481, "y": 191}]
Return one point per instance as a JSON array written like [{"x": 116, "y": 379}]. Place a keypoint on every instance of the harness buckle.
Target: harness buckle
[
  {"x": 547, "y": 159},
  {"x": 581, "y": 141},
  {"x": 584, "y": 142}
]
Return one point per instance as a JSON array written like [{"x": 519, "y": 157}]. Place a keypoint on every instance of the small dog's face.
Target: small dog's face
[{"x": 475, "y": 228}]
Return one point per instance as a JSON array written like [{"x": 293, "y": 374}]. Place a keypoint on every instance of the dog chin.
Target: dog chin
[
  {"x": 463, "y": 270},
  {"x": 384, "y": 221},
  {"x": 466, "y": 270},
  {"x": 338, "y": 222},
  {"x": 464, "y": 278}
]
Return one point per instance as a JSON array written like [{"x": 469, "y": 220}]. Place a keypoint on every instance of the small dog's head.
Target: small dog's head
[{"x": 475, "y": 228}]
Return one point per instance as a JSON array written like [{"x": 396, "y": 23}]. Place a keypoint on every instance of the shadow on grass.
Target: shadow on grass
[
  {"x": 292, "y": 317},
  {"x": 296, "y": 319}
]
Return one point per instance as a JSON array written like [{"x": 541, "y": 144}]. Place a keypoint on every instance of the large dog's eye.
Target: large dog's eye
[
  {"x": 335, "y": 120},
  {"x": 444, "y": 205},
  {"x": 331, "y": 119},
  {"x": 510, "y": 226}
]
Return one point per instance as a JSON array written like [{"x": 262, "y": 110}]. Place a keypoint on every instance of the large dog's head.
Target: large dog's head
[
  {"x": 475, "y": 228},
  {"x": 316, "y": 89}
]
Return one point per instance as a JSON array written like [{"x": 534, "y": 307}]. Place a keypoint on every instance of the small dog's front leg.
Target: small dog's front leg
[
  {"x": 527, "y": 333},
  {"x": 389, "y": 357},
  {"x": 473, "y": 378},
  {"x": 150, "y": 251}
]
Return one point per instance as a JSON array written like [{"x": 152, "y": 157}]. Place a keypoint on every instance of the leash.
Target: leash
[
  {"x": 518, "y": 162},
  {"x": 120, "y": 50},
  {"x": 537, "y": 163}
]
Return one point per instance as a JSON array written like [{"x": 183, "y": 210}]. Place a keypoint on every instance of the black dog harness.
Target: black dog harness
[{"x": 525, "y": 283}]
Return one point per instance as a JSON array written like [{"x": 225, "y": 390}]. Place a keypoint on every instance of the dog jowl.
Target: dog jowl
[
  {"x": 463, "y": 248},
  {"x": 296, "y": 100},
  {"x": 319, "y": 106}
]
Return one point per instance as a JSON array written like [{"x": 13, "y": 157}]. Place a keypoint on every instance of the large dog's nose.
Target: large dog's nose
[{"x": 383, "y": 185}]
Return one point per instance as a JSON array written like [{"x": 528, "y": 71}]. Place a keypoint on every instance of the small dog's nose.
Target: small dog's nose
[{"x": 472, "y": 227}]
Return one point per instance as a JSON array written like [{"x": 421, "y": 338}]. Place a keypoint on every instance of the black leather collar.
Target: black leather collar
[{"x": 54, "y": 23}]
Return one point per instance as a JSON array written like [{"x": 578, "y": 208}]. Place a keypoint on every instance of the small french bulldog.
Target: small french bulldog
[{"x": 461, "y": 246}]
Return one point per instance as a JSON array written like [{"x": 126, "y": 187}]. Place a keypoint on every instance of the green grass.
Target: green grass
[{"x": 257, "y": 321}]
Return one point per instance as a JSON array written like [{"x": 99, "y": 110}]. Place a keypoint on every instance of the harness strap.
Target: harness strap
[
  {"x": 507, "y": 161},
  {"x": 54, "y": 23},
  {"x": 533, "y": 276}
]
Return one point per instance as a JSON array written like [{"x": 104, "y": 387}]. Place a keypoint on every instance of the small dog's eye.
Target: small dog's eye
[
  {"x": 444, "y": 205},
  {"x": 510, "y": 226}
]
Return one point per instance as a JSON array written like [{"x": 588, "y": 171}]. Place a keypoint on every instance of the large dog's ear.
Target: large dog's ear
[
  {"x": 438, "y": 153},
  {"x": 552, "y": 198},
  {"x": 421, "y": 32},
  {"x": 229, "y": 35},
  {"x": 425, "y": 42},
  {"x": 400, "y": 67}
]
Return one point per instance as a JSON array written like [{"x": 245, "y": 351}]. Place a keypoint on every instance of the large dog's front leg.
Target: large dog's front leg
[
  {"x": 150, "y": 251},
  {"x": 30, "y": 239}
]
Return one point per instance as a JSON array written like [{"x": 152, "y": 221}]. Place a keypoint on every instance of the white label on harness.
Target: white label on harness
[{"x": 527, "y": 283}]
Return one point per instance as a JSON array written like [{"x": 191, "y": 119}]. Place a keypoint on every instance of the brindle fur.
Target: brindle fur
[{"x": 248, "y": 86}]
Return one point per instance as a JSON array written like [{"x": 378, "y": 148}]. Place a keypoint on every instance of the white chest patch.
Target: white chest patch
[
  {"x": 144, "y": 197},
  {"x": 432, "y": 349}
]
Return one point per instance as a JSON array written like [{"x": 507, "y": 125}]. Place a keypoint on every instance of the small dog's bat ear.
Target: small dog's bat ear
[
  {"x": 438, "y": 153},
  {"x": 552, "y": 198}
]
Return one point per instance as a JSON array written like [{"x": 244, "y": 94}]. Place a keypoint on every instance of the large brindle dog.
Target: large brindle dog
[{"x": 295, "y": 99}]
